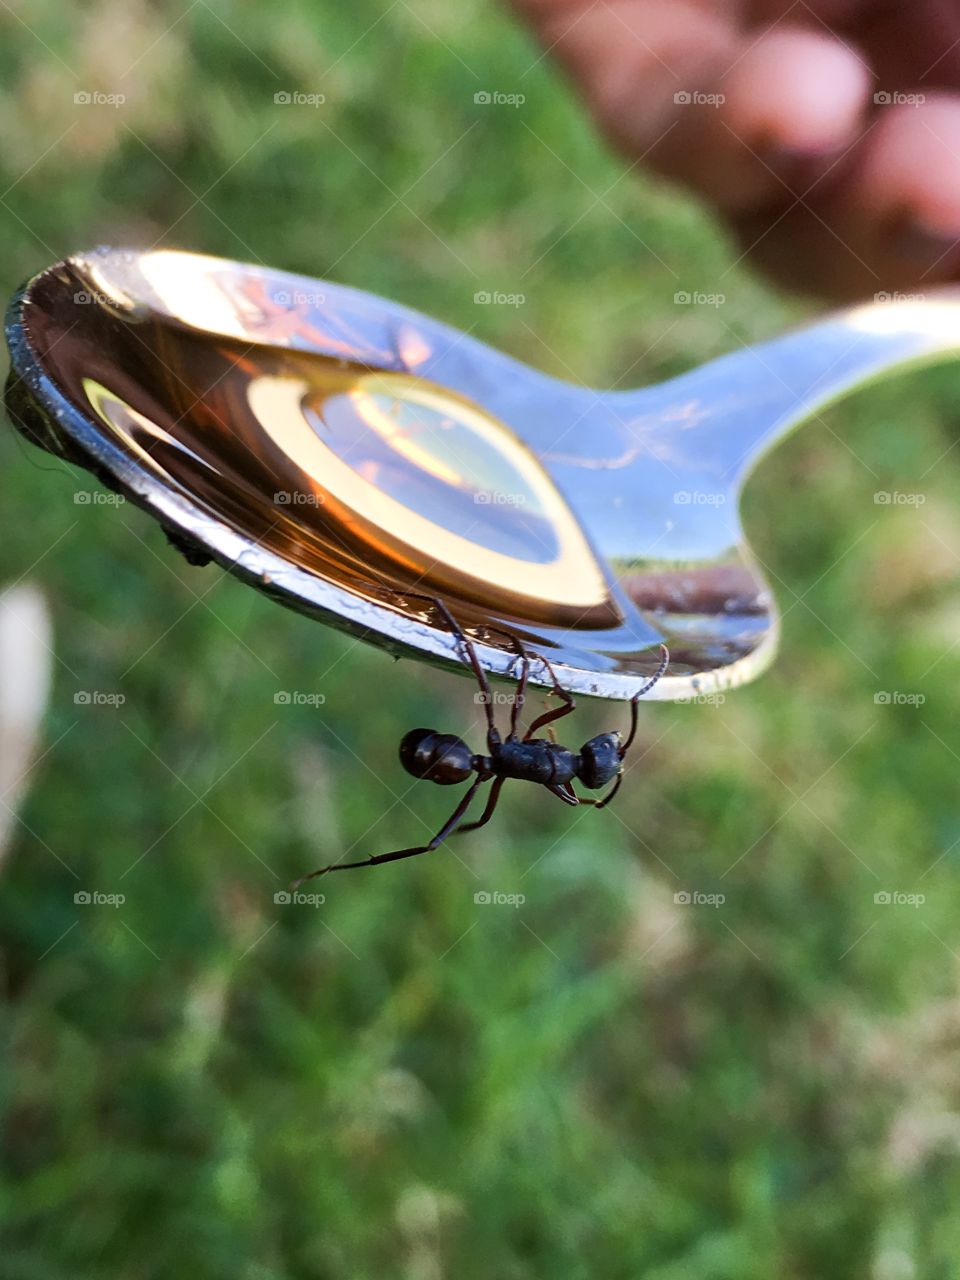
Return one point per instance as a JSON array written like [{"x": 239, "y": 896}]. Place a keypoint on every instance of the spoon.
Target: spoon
[{"x": 354, "y": 459}]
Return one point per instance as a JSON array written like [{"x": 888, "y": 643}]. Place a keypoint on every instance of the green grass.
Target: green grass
[{"x": 401, "y": 1083}]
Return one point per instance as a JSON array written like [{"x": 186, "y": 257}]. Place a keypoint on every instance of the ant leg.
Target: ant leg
[
  {"x": 493, "y": 733},
  {"x": 549, "y": 716},
  {"x": 447, "y": 829},
  {"x": 569, "y": 704},
  {"x": 520, "y": 696},
  {"x": 488, "y": 811}
]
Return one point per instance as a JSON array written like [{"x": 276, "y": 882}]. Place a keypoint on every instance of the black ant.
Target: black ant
[{"x": 446, "y": 759}]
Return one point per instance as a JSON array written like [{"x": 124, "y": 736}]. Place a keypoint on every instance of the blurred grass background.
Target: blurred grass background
[{"x": 402, "y": 1083}]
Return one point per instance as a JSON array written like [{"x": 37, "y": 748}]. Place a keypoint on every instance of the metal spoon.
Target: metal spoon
[{"x": 354, "y": 459}]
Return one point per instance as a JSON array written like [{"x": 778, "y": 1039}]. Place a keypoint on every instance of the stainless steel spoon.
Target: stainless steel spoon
[{"x": 353, "y": 458}]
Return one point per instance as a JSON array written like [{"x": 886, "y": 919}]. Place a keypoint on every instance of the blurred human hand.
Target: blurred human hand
[{"x": 827, "y": 132}]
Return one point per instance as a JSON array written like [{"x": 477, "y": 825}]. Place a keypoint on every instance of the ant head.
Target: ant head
[
  {"x": 438, "y": 757},
  {"x": 599, "y": 761}
]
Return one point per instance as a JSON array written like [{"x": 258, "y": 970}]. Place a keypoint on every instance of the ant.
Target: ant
[{"x": 446, "y": 759}]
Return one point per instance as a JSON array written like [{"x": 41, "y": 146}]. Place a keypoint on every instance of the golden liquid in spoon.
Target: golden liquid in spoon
[{"x": 366, "y": 477}]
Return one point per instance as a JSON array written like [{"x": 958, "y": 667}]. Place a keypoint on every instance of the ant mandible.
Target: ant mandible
[{"x": 446, "y": 759}]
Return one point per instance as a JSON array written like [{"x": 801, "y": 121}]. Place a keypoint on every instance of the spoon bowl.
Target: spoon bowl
[{"x": 353, "y": 458}]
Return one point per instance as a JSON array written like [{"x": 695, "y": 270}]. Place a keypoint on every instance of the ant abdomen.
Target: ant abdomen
[{"x": 437, "y": 757}]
